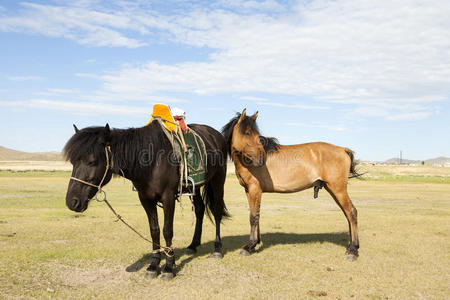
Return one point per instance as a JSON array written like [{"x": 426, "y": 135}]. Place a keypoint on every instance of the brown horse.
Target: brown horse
[{"x": 264, "y": 166}]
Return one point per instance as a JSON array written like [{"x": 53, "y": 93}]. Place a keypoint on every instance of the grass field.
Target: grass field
[{"x": 48, "y": 251}]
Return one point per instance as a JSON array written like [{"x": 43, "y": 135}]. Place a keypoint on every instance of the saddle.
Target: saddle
[{"x": 188, "y": 147}]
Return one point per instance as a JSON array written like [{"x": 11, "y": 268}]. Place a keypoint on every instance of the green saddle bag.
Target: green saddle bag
[
  {"x": 193, "y": 158},
  {"x": 190, "y": 151}
]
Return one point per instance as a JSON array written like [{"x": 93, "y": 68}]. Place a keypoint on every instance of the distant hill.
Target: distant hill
[
  {"x": 395, "y": 160},
  {"x": 10, "y": 154},
  {"x": 433, "y": 161},
  {"x": 438, "y": 161}
]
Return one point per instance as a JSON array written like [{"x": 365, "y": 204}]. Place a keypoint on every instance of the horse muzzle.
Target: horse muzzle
[{"x": 77, "y": 205}]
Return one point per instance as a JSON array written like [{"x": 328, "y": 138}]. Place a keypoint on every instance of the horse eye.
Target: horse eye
[
  {"x": 92, "y": 163},
  {"x": 247, "y": 133}
]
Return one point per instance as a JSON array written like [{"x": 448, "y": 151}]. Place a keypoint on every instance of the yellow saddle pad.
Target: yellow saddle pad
[{"x": 163, "y": 112}]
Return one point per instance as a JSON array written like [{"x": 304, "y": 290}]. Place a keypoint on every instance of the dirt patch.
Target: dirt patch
[
  {"x": 82, "y": 277},
  {"x": 317, "y": 293},
  {"x": 76, "y": 216},
  {"x": 8, "y": 234}
]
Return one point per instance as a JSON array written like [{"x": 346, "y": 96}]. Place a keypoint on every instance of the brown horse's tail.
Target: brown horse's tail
[
  {"x": 211, "y": 206},
  {"x": 353, "y": 163}
]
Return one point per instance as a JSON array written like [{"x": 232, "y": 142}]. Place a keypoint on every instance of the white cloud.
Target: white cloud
[
  {"x": 81, "y": 108},
  {"x": 63, "y": 91},
  {"x": 132, "y": 96},
  {"x": 392, "y": 111},
  {"x": 252, "y": 6},
  {"x": 57, "y": 92},
  {"x": 83, "y": 25},
  {"x": 298, "y": 105},
  {"x": 317, "y": 125},
  {"x": 409, "y": 116},
  {"x": 88, "y": 75},
  {"x": 355, "y": 53},
  {"x": 252, "y": 98},
  {"x": 379, "y": 58},
  {"x": 24, "y": 78}
]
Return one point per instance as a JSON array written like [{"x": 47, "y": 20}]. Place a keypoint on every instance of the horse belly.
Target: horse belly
[
  {"x": 293, "y": 185},
  {"x": 289, "y": 180}
]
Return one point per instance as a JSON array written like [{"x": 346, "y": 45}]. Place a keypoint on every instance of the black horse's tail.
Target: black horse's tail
[
  {"x": 353, "y": 163},
  {"x": 211, "y": 206}
]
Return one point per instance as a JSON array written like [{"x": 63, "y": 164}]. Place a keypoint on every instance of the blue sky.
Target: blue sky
[{"x": 370, "y": 75}]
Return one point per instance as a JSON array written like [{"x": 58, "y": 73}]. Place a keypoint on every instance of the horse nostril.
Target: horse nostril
[{"x": 75, "y": 202}]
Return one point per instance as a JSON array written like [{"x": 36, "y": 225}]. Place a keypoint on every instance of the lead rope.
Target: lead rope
[{"x": 167, "y": 250}]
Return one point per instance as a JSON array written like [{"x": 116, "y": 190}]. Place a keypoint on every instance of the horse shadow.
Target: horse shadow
[{"x": 232, "y": 243}]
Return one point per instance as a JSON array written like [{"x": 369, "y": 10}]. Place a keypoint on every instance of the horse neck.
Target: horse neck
[{"x": 127, "y": 147}]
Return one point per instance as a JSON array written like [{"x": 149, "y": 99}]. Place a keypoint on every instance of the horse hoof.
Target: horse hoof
[
  {"x": 244, "y": 252},
  {"x": 217, "y": 255},
  {"x": 151, "y": 274},
  {"x": 190, "y": 251},
  {"x": 352, "y": 257},
  {"x": 167, "y": 276}
]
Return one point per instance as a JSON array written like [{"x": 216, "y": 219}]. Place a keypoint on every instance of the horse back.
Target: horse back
[
  {"x": 297, "y": 167},
  {"x": 326, "y": 160}
]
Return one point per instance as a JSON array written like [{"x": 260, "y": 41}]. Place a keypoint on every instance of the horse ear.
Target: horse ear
[
  {"x": 255, "y": 116},
  {"x": 243, "y": 114},
  {"x": 76, "y": 128},
  {"x": 105, "y": 136},
  {"x": 107, "y": 133}
]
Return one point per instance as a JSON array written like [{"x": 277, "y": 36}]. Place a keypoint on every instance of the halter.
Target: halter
[
  {"x": 99, "y": 186},
  {"x": 166, "y": 250}
]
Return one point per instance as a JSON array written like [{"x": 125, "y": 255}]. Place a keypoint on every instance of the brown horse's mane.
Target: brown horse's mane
[{"x": 270, "y": 144}]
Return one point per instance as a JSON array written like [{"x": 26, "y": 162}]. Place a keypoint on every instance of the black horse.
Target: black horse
[{"x": 145, "y": 156}]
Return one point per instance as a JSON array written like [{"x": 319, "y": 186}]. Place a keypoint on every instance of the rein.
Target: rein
[{"x": 109, "y": 166}]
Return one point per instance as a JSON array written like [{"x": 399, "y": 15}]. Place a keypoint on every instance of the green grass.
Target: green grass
[
  {"x": 48, "y": 251},
  {"x": 406, "y": 178},
  {"x": 423, "y": 174}
]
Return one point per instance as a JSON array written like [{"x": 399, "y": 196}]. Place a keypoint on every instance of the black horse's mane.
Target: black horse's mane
[
  {"x": 129, "y": 147},
  {"x": 270, "y": 144}
]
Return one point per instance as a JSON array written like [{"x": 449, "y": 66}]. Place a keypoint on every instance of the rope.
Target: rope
[
  {"x": 167, "y": 250},
  {"x": 183, "y": 142},
  {"x": 165, "y": 120}
]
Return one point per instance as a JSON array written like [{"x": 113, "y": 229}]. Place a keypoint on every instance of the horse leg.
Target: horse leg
[
  {"x": 152, "y": 214},
  {"x": 217, "y": 186},
  {"x": 199, "y": 213},
  {"x": 259, "y": 235},
  {"x": 169, "y": 210},
  {"x": 254, "y": 200},
  {"x": 340, "y": 195}
]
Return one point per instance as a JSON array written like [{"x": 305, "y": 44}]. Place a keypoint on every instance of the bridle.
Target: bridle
[{"x": 109, "y": 165}]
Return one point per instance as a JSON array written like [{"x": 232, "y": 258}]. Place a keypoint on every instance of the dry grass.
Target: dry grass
[
  {"x": 425, "y": 170},
  {"x": 49, "y": 252},
  {"x": 35, "y": 165}
]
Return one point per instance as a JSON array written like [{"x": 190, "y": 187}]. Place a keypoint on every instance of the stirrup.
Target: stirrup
[{"x": 193, "y": 188}]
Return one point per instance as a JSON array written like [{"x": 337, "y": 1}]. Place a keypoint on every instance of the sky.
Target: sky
[{"x": 373, "y": 76}]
